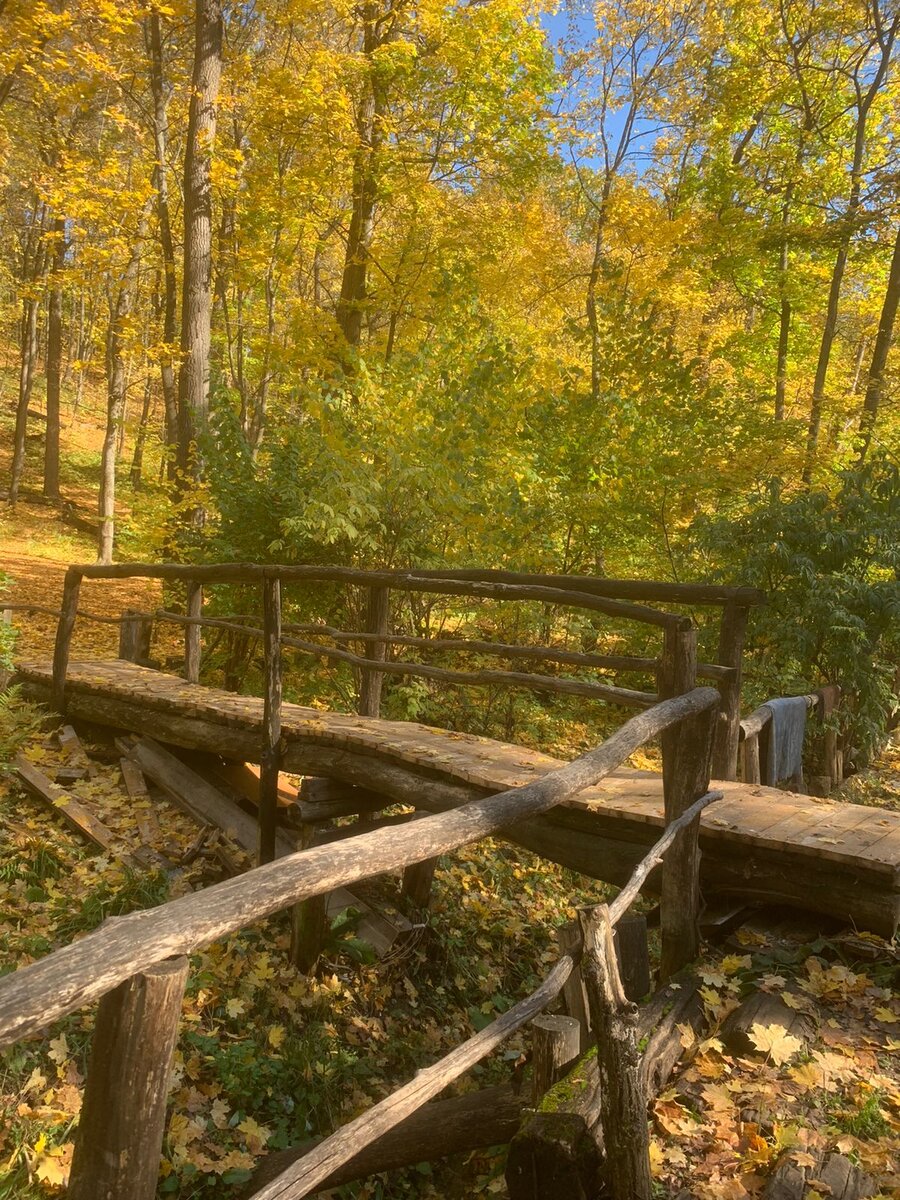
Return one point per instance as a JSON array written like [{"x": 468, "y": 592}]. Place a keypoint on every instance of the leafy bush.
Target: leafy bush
[{"x": 830, "y": 563}]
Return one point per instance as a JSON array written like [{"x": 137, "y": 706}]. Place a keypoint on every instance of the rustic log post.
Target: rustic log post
[
  {"x": 751, "y": 770},
  {"x": 270, "y": 755},
  {"x": 633, "y": 955},
  {"x": 685, "y": 779},
  {"x": 731, "y": 651},
  {"x": 308, "y": 919},
  {"x": 378, "y": 613},
  {"x": 623, "y": 1106},
  {"x": 194, "y": 610},
  {"x": 556, "y": 1044},
  {"x": 117, "y": 1146},
  {"x": 417, "y": 881},
  {"x": 568, "y": 937},
  {"x": 135, "y": 633},
  {"x": 69, "y": 611}
]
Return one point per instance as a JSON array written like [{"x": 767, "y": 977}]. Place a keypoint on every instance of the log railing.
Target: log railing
[
  {"x": 136, "y": 948},
  {"x": 613, "y": 598},
  {"x": 754, "y": 733}
]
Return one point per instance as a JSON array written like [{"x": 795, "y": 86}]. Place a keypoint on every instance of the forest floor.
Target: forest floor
[{"x": 269, "y": 1057}]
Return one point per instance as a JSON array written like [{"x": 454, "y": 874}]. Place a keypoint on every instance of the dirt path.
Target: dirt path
[{"x": 35, "y": 549}]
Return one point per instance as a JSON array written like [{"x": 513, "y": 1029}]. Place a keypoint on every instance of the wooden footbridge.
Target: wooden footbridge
[
  {"x": 675, "y": 832},
  {"x": 759, "y": 843}
]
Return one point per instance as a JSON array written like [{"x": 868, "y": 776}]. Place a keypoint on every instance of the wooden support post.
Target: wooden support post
[
  {"x": 64, "y": 629},
  {"x": 270, "y": 755},
  {"x": 417, "y": 881},
  {"x": 194, "y": 609},
  {"x": 556, "y": 1044},
  {"x": 633, "y": 955},
  {"x": 377, "y": 621},
  {"x": 308, "y": 919},
  {"x": 117, "y": 1146},
  {"x": 731, "y": 651},
  {"x": 135, "y": 634},
  {"x": 686, "y": 752},
  {"x": 568, "y": 937},
  {"x": 750, "y": 772},
  {"x": 623, "y": 1106}
]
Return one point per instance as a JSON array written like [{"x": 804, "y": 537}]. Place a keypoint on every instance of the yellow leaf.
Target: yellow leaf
[
  {"x": 775, "y": 1042},
  {"x": 257, "y": 1135},
  {"x": 885, "y": 1014},
  {"x": 234, "y": 1008},
  {"x": 276, "y": 1036},
  {"x": 59, "y": 1049}
]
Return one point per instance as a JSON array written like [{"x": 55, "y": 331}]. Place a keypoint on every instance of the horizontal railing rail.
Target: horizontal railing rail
[{"x": 35, "y": 996}]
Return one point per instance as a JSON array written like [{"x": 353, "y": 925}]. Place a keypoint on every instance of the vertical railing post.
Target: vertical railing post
[
  {"x": 731, "y": 653},
  {"x": 135, "y": 636},
  {"x": 378, "y": 612},
  {"x": 614, "y": 1019},
  {"x": 64, "y": 629},
  {"x": 194, "y": 610},
  {"x": 270, "y": 756},
  {"x": 119, "y": 1137},
  {"x": 686, "y": 754}
]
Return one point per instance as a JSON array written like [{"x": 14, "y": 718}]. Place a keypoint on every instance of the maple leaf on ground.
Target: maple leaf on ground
[{"x": 775, "y": 1042}]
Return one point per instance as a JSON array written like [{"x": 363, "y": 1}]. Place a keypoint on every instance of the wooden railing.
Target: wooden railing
[
  {"x": 755, "y": 730},
  {"x": 135, "y": 964},
  {"x": 675, "y": 669}
]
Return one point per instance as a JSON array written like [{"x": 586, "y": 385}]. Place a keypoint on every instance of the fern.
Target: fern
[{"x": 19, "y": 721}]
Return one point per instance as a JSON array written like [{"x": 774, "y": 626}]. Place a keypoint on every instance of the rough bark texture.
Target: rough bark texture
[
  {"x": 120, "y": 1130},
  {"x": 488, "y": 1117},
  {"x": 196, "y": 303},
  {"x": 875, "y": 384},
  {"x": 54, "y": 361}
]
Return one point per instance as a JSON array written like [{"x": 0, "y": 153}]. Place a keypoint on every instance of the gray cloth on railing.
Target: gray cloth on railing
[{"x": 785, "y": 742}]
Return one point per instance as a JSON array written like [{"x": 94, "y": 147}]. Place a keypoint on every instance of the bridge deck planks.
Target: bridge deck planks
[{"x": 798, "y": 828}]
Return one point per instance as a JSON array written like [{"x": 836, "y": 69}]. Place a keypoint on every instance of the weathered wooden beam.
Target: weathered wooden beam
[
  {"x": 38, "y": 994},
  {"x": 540, "y": 683},
  {"x": 410, "y": 581},
  {"x": 731, "y": 653},
  {"x": 378, "y": 616},
  {"x": 76, "y": 816},
  {"x": 558, "y": 1149},
  {"x": 64, "y": 630},
  {"x": 555, "y": 1045},
  {"x": 117, "y": 1144},
  {"x": 135, "y": 636},
  {"x": 488, "y": 1117},
  {"x": 270, "y": 755},
  {"x": 623, "y": 1105},
  {"x": 193, "y": 609}
]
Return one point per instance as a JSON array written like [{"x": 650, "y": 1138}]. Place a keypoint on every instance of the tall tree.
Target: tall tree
[
  {"x": 196, "y": 302},
  {"x": 875, "y": 382}
]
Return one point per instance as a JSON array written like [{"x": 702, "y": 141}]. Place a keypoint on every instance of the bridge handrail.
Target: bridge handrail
[
  {"x": 575, "y": 591},
  {"x": 35, "y": 996}
]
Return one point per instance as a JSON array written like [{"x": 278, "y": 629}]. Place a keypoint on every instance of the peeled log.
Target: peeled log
[
  {"x": 488, "y": 1117},
  {"x": 558, "y": 1150}
]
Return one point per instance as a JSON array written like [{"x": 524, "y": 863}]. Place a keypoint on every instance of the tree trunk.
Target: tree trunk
[
  {"x": 196, "y": 303},
  {"x": 886, "y": 41},
  {"x": 875, "y": 383},
  {"x": 115, "y": 395},
  {"x": 137, "y": 462},
  {"x": 33, "y": 255},
  {"x": 369, "y": 118},
  {"x": 54, "y": 362},
  {"x": 153, "y": 38}
]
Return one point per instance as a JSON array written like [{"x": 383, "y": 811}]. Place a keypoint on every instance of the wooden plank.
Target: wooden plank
[
  {"x": 76, "y": 755},
  {"x": 80, "y": 819},
  {"x": 244, "y": 778},
  {"x": 198, "y": 798},
  {"x": 487, "y": 765},
  {"x": 144, "y": 814},
  {"x": 270, "y": 752}
]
